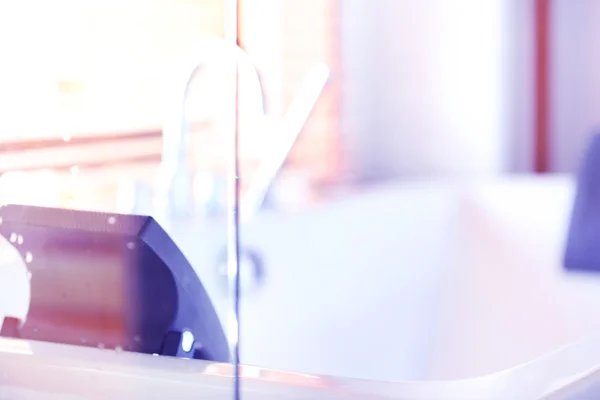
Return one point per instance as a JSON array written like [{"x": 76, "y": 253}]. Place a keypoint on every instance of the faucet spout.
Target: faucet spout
[{"x": 172, "y": 192}]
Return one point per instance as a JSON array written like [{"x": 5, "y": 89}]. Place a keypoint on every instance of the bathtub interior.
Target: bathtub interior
[
  {"x": 420, "y": 280},
  {"x": 411, "y": 281}
]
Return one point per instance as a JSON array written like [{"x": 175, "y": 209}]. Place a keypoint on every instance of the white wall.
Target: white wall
[
  {"x": 520, "y": 99},
  {"x": 575, "y": 80},
  {"x": 429, "y": 86},
  {"x": 447, "y": 87}
]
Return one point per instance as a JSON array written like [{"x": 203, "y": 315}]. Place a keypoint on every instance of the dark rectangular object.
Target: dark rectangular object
[
  {"x": 583, "y": 242},
  {"x": 111, "y": 280}
]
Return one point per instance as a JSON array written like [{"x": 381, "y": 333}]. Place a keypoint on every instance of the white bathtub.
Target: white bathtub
[
  {"x": 35, "y": 371},
  {"x": 423, "y": 280}
]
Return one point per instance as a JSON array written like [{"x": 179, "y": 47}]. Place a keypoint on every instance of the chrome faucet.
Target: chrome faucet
[{"x": 174, "y": 178}]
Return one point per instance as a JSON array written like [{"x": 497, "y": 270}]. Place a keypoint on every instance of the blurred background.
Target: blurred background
[
  {"x": 436, "y": 89},
  {"x": 423, "y": 202}
]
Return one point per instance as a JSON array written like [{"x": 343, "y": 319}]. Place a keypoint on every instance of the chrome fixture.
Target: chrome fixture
[{"x": 174, "y": 178}]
